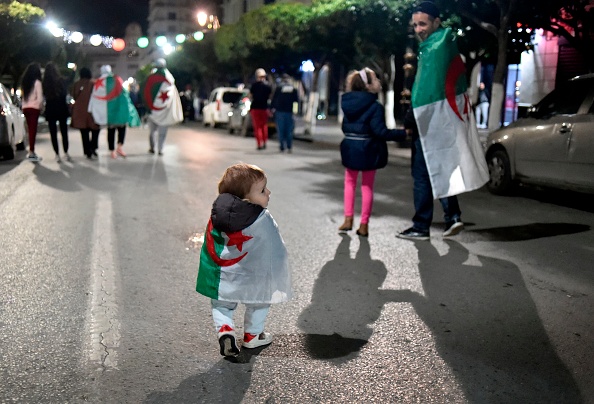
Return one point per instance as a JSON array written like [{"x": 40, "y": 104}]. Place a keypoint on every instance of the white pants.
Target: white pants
[
  {"x": 254, "y": 319},
  {"x": 154, "y": 129}
]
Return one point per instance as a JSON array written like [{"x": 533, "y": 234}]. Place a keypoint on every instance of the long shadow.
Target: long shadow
[
  {"x": 346, "y": 301},
  {"x": 487, "y": 329}
]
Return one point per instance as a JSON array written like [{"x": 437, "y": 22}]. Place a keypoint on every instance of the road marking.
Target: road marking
[{"x": 104, "y": 326}]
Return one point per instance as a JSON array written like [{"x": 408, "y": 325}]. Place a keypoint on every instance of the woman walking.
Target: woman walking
[
  {"x": 81, "y": 117},
  {"x": 32, "y": 103},
  {"x": 56, "y": 108}
]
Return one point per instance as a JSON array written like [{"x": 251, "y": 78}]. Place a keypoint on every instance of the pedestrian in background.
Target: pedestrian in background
[
  {"x": 81, "y": 117},
  {"x": 285, "y": 95},
  {"x": 32, "y": 91},
  {"x": 163, "y": 103},
  {"x": 243, "y": 258},
  {"x": 260, "y": 95},
  {"x": 56, "y": 108},
  {"x": 111, "y": 106},
  {"x": 364, "y": 148},
  {"x": 447, "y": 157},
  {"x": 482, "y": 108}
]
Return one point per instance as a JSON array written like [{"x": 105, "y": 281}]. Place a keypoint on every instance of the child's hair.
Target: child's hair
[
  {"x": 358, "y": 80},
  {"x": 239, "y": 178}
]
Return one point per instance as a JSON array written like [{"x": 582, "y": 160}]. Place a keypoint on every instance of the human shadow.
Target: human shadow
[
  {"x": 487, "y": 329},
  {"x": 345, "y": 302},
  {"x": 58, "y": 179}
]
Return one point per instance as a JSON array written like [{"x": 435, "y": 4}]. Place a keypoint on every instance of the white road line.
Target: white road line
[{"x": 104, "y": 327}]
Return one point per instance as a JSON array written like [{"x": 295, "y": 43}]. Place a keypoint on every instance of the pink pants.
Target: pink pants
[
  {"x": 260, "y": 124},
  {"x": 350, "y": 183}
]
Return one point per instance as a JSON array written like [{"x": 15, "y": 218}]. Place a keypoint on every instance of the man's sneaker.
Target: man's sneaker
[
  {"x": 255, "y": 341},
  {"x": 454, "y": 227},
  {"x": 413, "y": 234},
  {"x": 33, "y": 157},
  {"x": 227, "y": 341}
]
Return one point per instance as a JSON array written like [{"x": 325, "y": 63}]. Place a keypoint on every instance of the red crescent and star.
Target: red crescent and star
[
  {"x": 115, "y": 91},
  {"x": 455, "y": 70},
  {"x": 235, "y": 239},
  {"x": 155, "y": 79}
]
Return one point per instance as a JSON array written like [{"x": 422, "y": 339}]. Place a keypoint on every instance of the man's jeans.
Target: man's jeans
[
  {"x": 284, "y": 126},
  {"x": 423, "y": 195}
]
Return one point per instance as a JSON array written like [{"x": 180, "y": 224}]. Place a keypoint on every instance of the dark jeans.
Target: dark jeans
[
  {"x": 423, "y": 195},
  {"x": 111, "y": 136},
  {"x": 89, "y": 143},
  {"x": 53, "y": 128}
]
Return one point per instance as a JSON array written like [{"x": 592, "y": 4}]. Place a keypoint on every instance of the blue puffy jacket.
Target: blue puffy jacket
[{"x": 364, "y": 126}]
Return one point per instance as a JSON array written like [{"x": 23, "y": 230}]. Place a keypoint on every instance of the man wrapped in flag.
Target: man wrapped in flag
[
  {"x": 447, "y": 158},
  {"x": 111, "y": 106},
  {"x": 163, "y": 103},
  {"x": 243, "y": 258}
]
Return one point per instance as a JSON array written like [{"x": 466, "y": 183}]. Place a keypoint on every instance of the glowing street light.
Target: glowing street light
[
  {"x": 96, "y": 40},
  {"x": 202, "y": 18},
  {"x": 199, "y": 35},
  {"x": 161, "y": 40},
  {"x": 180, "y": 38}
]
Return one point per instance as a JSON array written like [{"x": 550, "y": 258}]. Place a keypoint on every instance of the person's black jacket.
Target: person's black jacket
[{"x": 364, "y": 126}]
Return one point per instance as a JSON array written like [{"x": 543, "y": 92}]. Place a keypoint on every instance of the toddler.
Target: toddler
[{"x": 243, "y": 258}]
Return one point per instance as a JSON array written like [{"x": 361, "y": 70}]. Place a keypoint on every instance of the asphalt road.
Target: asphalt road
[{"x": 99, "y": 260}]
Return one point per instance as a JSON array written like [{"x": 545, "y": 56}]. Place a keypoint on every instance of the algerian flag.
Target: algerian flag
[
  {"x": 247, "y": 266},
  {"x": 448, "y": 133},
  {"x": 110, "y": 103},
  {"x": 162, "y": 99}
]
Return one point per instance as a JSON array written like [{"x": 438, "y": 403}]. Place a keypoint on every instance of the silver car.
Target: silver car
[
  {"x": 12, "y": 126},
  {"x": 552, "y": 147}
]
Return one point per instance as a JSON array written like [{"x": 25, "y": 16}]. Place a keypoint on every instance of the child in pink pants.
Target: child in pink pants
[{"x": 364, "y": 148}]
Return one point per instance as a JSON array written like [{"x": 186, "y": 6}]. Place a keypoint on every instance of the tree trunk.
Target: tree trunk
[{"x": 498, "y": 89}]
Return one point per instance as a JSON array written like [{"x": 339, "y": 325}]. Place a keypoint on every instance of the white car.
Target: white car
[
  {"x": 219, "y": 105},
  {"x": 13, "y": 131}
]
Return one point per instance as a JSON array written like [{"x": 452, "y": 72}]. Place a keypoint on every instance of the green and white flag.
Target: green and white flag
[
  {"x": 110, "y": 103},
  {"x": 162, "y": 98},
  {"x": 447, "y": 129},
  {"x": 247, "y": 266}
]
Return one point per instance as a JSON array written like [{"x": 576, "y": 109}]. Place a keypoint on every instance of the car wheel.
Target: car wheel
[
  {"x": 7, "y": 152},
  {"x": 500, "y": 179}
]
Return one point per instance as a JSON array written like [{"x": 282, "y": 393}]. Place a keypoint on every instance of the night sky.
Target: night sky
[{"x": 105, "y": 17}]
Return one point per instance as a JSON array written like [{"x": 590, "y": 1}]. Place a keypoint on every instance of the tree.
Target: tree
[
  {"x": 23, "y": 38},
  {"x": 571, "y": 19}
]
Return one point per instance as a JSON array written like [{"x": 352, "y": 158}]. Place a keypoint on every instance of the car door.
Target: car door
[
  {"x": 580, "y": 167},
  {"x": 542, "y": 148}
]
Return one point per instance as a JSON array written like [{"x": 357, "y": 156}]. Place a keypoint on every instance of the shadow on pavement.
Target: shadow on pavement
[
  {"x": 345, "y": 303},
  {"x": 487, "y": 329},
  {"x": 524, "y": 232}
]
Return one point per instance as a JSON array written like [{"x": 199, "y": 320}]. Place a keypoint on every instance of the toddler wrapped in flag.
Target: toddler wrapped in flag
[{"x": 243, "y": 258}]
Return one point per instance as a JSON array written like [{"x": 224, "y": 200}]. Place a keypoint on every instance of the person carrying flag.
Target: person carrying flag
[
  {"x": 447, "y": 158},
  {"x": 243, "y": 258},
  {"x": 111, "y": 106},
  {"x": 163, "y": 104}
]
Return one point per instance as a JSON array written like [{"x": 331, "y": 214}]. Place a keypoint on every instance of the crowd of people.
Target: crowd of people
[{"x": 98, "y": 103}]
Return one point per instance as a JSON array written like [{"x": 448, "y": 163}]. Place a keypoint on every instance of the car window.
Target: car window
[
  {"x": 231, "y": 97},
  {"x": 565, "y": 100}
]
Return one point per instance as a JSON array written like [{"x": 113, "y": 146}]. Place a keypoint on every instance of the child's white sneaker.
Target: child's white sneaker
[
  {"x": 227, "y": 341},
  {"x": 255, "y": 341}
]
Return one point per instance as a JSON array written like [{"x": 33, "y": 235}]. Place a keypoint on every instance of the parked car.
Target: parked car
[
  {"x": 217, "y": 109},
  {"x": 240, "y": 119},
  {"x": 552, "y": 147},
  {"x": 12, "y": 126}
]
